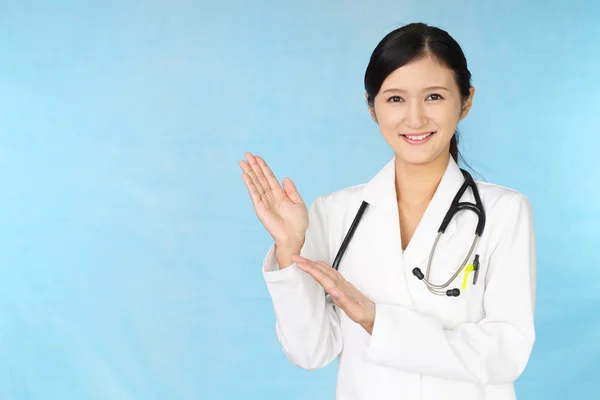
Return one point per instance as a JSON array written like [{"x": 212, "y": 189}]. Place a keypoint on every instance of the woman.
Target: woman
[{"x": 396, "y": 336}]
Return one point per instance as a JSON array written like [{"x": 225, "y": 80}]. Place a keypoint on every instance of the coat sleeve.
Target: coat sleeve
[
  {"x": 494, "y": 350},
  {"x": 307, "y": 324}
]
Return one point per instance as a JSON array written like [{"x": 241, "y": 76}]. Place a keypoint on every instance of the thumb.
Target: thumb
[{"x": 291, "y": 191}]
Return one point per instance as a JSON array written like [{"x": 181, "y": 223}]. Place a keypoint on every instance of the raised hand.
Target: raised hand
[{"x": 280, "y": 209}]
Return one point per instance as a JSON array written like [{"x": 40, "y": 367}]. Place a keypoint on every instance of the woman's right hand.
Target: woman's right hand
[{"x": 280, "y": 209}]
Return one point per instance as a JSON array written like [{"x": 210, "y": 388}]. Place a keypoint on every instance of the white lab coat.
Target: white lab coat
[{"x": 423, "y": 346}]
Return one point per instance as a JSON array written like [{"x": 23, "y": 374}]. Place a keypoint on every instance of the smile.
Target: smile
[{"x": 418, "y": 138}]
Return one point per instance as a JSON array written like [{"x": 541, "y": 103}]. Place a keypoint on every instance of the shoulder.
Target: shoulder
[
  {"x": 507, "y": 210},
  {"x": 500, "y": 199}
]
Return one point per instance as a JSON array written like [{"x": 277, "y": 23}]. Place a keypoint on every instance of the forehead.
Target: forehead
[{"x": 420, "y": 74}]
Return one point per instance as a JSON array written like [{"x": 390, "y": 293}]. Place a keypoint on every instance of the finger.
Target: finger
[
  {"x": 273, "y": 183},
  {"x": 248, "y": 170},
  {"x": 342, "y": 292},
  {"x": 318, "y": 275},
  {"x": 347, "y": 290},
  {"x": 329, "y": 271},
  {"x": 351, "y": 292},
  {"x": 354, "y": 311},
  {"x": 345, "y": 287},
  {"x": 298, "y": 258},
  {"x": 292, "y": 191},
  {"x": 321, "y": 266},
  {"x": 258, "y": 171},
  {"x": 349, "y": 298},
  {"x": 340, "y": 299},
  {"x": 254, "y": 195}
]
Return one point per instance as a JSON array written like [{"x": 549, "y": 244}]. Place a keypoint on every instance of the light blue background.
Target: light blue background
[{"x": 130, "y": 255}]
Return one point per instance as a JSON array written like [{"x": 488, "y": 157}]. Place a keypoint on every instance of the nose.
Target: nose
[{"x": 415, "y": 116}]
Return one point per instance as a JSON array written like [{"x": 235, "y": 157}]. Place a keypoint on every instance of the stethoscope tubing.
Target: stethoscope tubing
[{"x": 455, "y": 206}]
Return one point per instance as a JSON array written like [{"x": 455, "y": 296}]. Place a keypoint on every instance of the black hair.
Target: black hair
[{"x": 410, "y": 43}]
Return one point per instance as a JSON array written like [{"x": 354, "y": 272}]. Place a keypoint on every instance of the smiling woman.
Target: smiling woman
[
  {"x": 429, "y": 95},
  {"x": 396, "y": 331}
]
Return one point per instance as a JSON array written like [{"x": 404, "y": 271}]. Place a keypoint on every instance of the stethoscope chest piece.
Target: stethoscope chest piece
[{"x": 456, "y": 206}]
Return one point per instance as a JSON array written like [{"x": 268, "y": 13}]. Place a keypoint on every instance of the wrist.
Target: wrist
[
  {"x": 290, "y": 248},
  {"x": 284, "y": 254}
]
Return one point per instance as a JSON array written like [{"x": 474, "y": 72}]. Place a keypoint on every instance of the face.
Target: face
[{"x": 418, "y": 108}]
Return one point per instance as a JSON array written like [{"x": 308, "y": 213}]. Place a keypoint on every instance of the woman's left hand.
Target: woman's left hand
[{"x": 356, "y": 305}]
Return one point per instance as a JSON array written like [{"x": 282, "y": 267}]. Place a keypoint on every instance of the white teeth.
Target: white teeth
[{"x": 421, "y": 137}]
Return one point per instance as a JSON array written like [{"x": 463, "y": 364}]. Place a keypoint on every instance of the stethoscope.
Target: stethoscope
[{"x": 455, "y": 207}]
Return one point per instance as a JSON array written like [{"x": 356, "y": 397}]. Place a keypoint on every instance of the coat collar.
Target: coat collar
[{"x": 380, "y": 193}]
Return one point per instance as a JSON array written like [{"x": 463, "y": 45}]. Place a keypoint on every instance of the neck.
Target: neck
[{"x": 416, "y": 184}]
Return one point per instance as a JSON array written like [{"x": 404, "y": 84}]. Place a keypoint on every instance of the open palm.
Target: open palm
[{"x": 280, "y": 209}]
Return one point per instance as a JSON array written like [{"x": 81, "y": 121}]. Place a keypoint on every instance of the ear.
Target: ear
[
  {"x": 467, "y": 103},
  {"x": 371, "y": 109}
]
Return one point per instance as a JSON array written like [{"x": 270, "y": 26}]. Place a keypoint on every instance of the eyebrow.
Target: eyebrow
[{"x": 425, "y": 89}]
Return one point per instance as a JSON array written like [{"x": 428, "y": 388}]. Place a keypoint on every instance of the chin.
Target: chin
[{"x": 418, "y": 159}]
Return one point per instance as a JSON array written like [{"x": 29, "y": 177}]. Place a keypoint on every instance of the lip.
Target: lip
[{"x": 407, "y": 137}]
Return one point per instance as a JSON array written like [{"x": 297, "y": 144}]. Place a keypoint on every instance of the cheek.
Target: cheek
[
  {"x": 446, "y": 119},
  {"x": 388, "y": 120}
]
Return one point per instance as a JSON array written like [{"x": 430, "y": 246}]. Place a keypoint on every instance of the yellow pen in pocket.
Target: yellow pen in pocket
[{"x": 468, "y": 269}]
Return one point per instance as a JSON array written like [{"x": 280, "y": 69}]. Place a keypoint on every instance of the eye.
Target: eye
[
  {"x": 434, "y": 97},
  {"x": 395, "y": 99}
]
